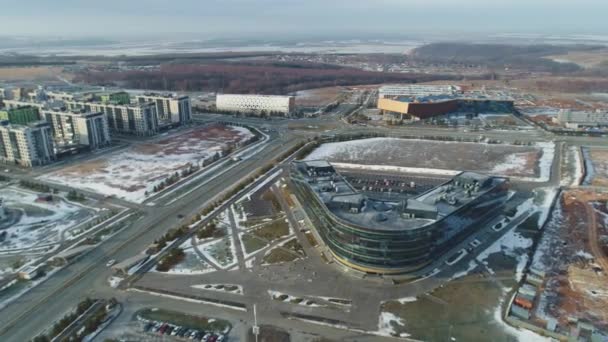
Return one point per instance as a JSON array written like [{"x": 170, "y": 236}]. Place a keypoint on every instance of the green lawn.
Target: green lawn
[{"x": 252, "y": 243}]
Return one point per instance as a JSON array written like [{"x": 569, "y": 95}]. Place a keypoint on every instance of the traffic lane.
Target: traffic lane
[{"x": 90, "y": 270}]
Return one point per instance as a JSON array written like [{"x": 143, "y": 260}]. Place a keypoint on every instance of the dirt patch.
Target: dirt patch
[
  {"x": 599, "y": 161},
  {"x": 269, "y": 334},
  {"x": 262, "y": 204},
  {"x": 134, "y": 172},
  {"x": 572, "y": 252},
  {"x": 509, "y": 160},
  {"x": 318, "y": 97}
]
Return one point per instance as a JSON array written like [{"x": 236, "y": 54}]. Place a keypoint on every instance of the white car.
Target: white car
[{"x": 110, "y": 263}]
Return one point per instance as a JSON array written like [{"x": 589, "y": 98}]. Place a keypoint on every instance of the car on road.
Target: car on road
[{"x": 110, "y": 263}]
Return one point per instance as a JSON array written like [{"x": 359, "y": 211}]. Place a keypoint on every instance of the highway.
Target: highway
[{"x": 40, "y": 307}]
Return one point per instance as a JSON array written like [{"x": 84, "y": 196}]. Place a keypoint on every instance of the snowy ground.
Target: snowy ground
[
  {"x": 522, "y": 335},
  {"x": 387, "y": 322},
  {"x": 287, "y": 298},
  {"x": 237, "y": 289},
  {"x": 513, "y": 243},
  {"x": 572, "y": 175},
  {"x": 191, "y": 265},
  {"x": 526, "y": 162},
  {"x": 133, "y": 172},
  {"x": 222, "y": 252},
  {"x": 40, "y": 223}
]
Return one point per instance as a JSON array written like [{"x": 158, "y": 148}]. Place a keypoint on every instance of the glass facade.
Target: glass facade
[{"x": 397, "y": 250}]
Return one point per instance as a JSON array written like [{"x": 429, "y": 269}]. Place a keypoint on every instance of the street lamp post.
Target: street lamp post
[{"x": 255, "y": 329}]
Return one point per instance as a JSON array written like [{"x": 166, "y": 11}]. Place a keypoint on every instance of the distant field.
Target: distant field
[
  {"x": 586, "y": 59},
  {"x": 31, "y": 73},
  {"x": 317, "y": 97}
]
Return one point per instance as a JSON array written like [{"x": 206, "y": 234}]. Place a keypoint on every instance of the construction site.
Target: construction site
[{"x": 565, "y": 292}]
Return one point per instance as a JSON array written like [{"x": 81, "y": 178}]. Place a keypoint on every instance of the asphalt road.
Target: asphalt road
[{"x": 41, "y": 306}]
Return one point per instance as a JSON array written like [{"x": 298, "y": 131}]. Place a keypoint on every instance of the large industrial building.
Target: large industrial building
[
  {"x": 28, "y": 146},
  {"x": 86, "y": 129},
  {"x": 420, "y": 102},
  {"x": 576, "y": 120},
  {"x": 400, "y": 233},
  {"x": 171, "y": 109},
  {"x": 140, "y": 119},
  {"x": 256, "y": 104},
  {"x": 416, "y": 90}
]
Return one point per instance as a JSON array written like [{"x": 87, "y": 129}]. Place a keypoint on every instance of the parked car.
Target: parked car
[
  {"x": 110, "y": 263},
  {"x": 169, "y": 330}
]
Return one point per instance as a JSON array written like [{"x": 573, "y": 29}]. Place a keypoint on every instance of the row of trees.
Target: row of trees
[
  {"x": 209, "y": 231},
  {"x": 66, "y": 320},
  {"x": 73, "y": 195},
  {"x": 243, "y": 78},
  {"x": 34, "y": 186},
  {"x": 174, "y": 257},
  {"x": 171, "y": 235}
]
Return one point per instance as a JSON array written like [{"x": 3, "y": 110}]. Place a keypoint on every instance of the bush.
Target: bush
[{"x": 171, "y": 259}]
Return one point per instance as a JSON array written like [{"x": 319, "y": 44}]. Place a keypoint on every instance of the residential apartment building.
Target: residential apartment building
[
  {"x": 27, "y": 146},
  {"x": 59, "y": 96},
  {"x": 139, "y": 119},
  {"x": 20, "y": 115},
  {"x": 13, "y": 104},
  {"x": 117, "y": 98},
  {"x": 255, "y": 103},
  {"x": 89, "y": 129},
  {"x": 171, "y": 110}
]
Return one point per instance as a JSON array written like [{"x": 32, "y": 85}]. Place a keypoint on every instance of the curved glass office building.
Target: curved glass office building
[{"x": 398, "y": 235}]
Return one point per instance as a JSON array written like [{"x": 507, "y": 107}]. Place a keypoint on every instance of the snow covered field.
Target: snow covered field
[
  {"x": 132, "y": 173},
  {"x": 38, "y": 223},
  {"x": 528, "y": 162}
]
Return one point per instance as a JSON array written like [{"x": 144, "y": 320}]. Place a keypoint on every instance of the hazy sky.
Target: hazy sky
[{"x": 234, "y": 18}]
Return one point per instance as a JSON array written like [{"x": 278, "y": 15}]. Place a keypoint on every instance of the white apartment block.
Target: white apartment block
[
  {"x": 27, "y": 146},
  {"x": 12, "y": 104},
  {"x": 89, "y": 129},
  {"x": 59, "y": 96},
  {"x": 255, "y": 103},
  {"x": 170, "y": 109},
  {"x": 577, "y": 120},
  {"x": 417, "y": 90},
  {"x": 140, "y": 119}
]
